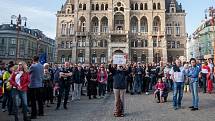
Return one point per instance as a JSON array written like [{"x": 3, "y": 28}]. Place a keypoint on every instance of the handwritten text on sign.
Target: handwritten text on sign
[{"x": 119, "y": 59}]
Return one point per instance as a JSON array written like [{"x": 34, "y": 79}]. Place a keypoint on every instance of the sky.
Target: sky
[{"x": 41, "y": 14}]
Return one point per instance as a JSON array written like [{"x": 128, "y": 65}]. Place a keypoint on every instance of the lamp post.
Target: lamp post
[{"x": 18, "y": 25}]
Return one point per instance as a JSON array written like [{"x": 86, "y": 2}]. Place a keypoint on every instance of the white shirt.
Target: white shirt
[
  {"x": 18, "y": 76},
  {"x": 178, "y": 76}
]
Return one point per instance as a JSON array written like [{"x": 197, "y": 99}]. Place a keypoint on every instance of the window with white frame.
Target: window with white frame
[
  {"x": 13, "y": 41},
  {"x": 177, "y": 29},
  {"x": 12, "y": 52},
  {"x": 63, "y": 59},
  {"x": 103, "y": 58}
]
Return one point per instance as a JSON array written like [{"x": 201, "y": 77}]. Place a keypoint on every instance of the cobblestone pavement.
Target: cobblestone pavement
[{"x": 138, "y": 108}]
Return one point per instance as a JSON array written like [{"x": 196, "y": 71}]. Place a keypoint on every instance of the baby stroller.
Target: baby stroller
[{"x": 165, "y": 93}]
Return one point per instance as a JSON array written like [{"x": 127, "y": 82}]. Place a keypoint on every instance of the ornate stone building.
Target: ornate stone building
[{"x": 144, "y": 30}]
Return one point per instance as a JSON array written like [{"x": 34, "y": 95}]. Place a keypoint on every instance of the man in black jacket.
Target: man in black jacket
[
  {"x": 119, "y": 88},
  {"x": 64, "y": 82}
]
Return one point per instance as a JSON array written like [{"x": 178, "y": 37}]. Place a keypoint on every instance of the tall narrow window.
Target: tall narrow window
[
  {"x": 97, "y": 7},
  {"x": 102, "y": 7},
  {"x": 84, "y": 7},
  {"x": 132, "y": 6},
  {"x": 141, "y": 6},
  {"x": 145, "y": 6},
  {"x": 136, "y": 6},
  {"x": 154, "y": 6},
  {"x": 159, "y": 6},
  {"x": 177, "y": 29},
  {"x": 80, "y": 6}
]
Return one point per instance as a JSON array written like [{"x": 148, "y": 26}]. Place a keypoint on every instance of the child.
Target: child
[{"x": 159, "y": 88}]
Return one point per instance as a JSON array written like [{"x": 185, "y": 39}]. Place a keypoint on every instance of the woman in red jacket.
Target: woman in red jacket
[
  {"x": 19, "y": 82},
  {"x": 102, "y": 77}
]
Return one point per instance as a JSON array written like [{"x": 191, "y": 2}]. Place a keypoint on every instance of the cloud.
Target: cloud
[{"x": 38, "y": 18}]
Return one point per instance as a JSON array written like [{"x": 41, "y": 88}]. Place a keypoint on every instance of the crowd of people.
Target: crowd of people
[{"x": 35, "y": 86}]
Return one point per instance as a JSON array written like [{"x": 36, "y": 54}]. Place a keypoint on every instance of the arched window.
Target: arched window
[
  {"x": 134, "y": 57},
  {"x": 134, "y": 24},
  {"x": 115, "y": 9},
  {"x": 94, "y": 43},
  {"x": 145, "y": 6},
  {"x": 70, "y": 58},
  {"x": 143, "y": 58},
  {"x": 122, "y": 9},
  {"x": 178, "y": 44},
  {"x": 102, "y": 7},
  {"x": 83, "y": 42},
  {"x": 80, "y": 6},
  {"x": 62, "y": 44},
  {"x": 71, "y": 29},
  {"x": 103, "y": 58},
  {"x": 132, "y": 6},
  {"x": 177, "y": 26},
  {"x": 104, "y": 24},
  {"x": 154, "y": 6},
  {"x": 92, "y": 7},
  {"x": 82, "y": 22},
  {"x": 106, "y": 6},
  {"x": 159, "y": 6},
  {"x": 143, "y": 25},
  {"x": 168, "y": 44},
  {"x": 68, "y": 11},
  {"x": 141, "y": 6},
  {"x": 94, "y": 58},
  {"x": 63, "y": 29},
  {"x": 173, "y": 44},
  {"x": 84, "y": 7},
  {"x": 80, "y": 57},
  {"x": 95, "y": 24},
  {"x": 63, "y": 59},
  {"x": 156, "y": 25},
  {"x": 97, "y": 7},
  {"x": 67, "y": 44},
  {"x": 136, "y": 6},
  {"x": 155, "y": 44}
]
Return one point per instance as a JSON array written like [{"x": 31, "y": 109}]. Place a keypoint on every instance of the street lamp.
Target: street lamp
[{"x": 18, "y": 25}]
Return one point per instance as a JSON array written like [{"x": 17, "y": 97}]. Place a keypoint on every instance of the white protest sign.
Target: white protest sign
[{"x": 119, "y": 59}]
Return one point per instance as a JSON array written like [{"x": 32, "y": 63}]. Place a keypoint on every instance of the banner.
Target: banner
[{"x": 119, "y": 59}]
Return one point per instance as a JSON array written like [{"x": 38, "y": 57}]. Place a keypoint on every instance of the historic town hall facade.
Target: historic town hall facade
[{"x": 91, "y": 31}]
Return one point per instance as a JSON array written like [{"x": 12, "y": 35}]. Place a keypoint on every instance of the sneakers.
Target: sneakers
[{"x": 147, "y": 93}]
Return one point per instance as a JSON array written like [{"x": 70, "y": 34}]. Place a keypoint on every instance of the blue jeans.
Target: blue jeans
[
  {"x": 16, "y": 94},
  {"x": 177, "y": 93},
  {"x": 194, "y": 91}
]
